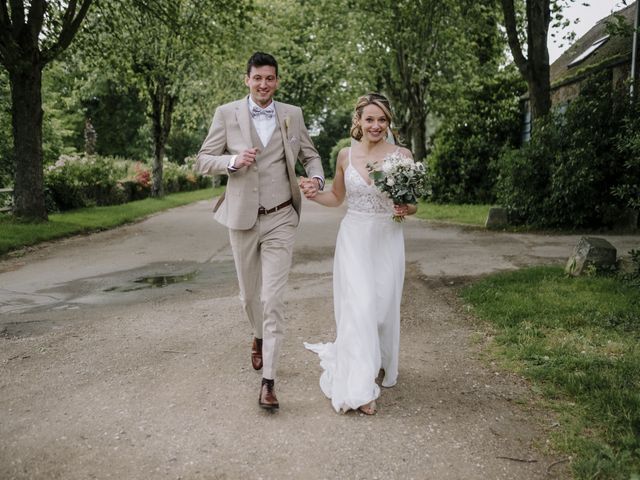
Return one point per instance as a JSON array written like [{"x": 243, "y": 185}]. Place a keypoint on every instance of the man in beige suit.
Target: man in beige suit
[{"x": 256, "y": 141}]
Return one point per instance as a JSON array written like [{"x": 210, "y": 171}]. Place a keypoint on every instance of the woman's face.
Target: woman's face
[{"x": 374, "y": 123}]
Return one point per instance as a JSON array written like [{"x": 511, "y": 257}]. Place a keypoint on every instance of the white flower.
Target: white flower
[{"x": 390, "y": 181}]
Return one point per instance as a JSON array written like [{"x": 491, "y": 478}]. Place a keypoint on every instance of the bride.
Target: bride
[{"x": 368, "y": 269}]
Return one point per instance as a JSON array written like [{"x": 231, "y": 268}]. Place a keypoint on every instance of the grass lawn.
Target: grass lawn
[
  {"x": 14, "y": 234},
  {"x": 466, "y": 214},
  {"x": 578, "y": 341}
]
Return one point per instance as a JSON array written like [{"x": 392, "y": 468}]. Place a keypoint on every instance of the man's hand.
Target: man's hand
[
  {"x": 309, "y": 186},
  {"x": 246, "y": 158}
]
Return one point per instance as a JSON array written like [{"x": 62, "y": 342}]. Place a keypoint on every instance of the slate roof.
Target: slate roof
[{"x": 616, "y": 49}]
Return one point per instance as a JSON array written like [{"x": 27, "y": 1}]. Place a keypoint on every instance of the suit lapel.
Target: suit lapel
[
  {"x": 244, "y": 120},
  {"x": 283, "y": 117}
]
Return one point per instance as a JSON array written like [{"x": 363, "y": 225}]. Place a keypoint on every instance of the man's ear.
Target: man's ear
[{"x": 246, "y": 80}]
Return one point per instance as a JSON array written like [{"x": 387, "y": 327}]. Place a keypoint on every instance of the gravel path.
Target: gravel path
[{"x": 106, "y": 377}]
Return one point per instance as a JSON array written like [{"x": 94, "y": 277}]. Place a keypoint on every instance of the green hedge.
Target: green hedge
[
  {"x": 468, "y": 144},
  {"x": 84, "y": 181},
  {"x": 578, "y": 170},
  {"x": 333, "y": 156}
]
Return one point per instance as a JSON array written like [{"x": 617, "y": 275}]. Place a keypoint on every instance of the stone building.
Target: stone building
[{"x": 597, "y": 50}]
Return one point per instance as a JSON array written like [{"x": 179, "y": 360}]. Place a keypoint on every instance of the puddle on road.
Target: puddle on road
[
  {"x": 160, "y": 275},
  {"x": 154, "y": 281},
  {"x": 62, "y": 303}
]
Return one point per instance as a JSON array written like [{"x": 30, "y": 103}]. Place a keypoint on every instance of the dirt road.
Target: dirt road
[{"x": 125, "y": 355}]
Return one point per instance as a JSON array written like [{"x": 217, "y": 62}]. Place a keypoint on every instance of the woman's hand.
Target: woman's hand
[
  {"x": 309, "y": 187},
  {"x": 404, "y": 209}
]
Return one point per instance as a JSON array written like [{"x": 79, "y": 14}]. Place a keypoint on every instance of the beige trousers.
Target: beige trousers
[{"x": 262, "y": 257}]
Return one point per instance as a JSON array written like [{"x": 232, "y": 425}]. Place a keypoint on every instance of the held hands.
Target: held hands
[
  {"x": 309, "y": 187},
  {"x": 246, "y": 158}
]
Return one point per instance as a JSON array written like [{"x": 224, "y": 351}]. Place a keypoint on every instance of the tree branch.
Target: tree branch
[
  {"x": 512, "y": 35},
  {"x": 35, "y": 21},
  {"x": 5, "y": 22},
  {"x": 70, "y": 27},
  {"x": 17, "y": 12},
  {"x": 8, "y": 46}
]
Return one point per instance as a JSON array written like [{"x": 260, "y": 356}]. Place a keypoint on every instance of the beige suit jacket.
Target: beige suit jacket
[{"x": 229, "y": 135}]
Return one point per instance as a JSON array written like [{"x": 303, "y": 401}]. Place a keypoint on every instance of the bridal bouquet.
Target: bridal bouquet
[{"x": 402, "y": 179}]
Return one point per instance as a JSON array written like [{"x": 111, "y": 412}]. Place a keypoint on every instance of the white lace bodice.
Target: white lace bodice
[{"x": 362, "y": 197}]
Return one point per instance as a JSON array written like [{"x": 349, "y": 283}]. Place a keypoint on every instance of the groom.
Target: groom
[{"x": 256, "y": 142}]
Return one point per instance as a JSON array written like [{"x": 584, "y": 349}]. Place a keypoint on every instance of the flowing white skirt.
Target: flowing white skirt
[{"x": 368, "y": 276}]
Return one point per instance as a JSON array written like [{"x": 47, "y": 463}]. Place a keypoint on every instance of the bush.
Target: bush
[
  {"x": 566, "y": 176},
  {"x": 204, "y": 182},
  {"x": 6, "y": 133},
  {"x": 468, "y": 144},
  {"x": 333, "y": 156},
  {"x": 336, "y": 124},
  {"x": 633, "y": 276},
  {"x": 76, "y": 182},
  {"x": 178, "y": 178},
  {"x": 628, "y": 146}
]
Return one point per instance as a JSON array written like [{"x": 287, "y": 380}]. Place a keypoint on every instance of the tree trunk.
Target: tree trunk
[
  {"x": 539, "y": 96},
  {"x": 26, "y": 111},
  {"x": 535, "y": 69},
  {"x": 419, "y": 138},
  {"x": 162, "y": 104},
  {"x": 538, "y": 78}
]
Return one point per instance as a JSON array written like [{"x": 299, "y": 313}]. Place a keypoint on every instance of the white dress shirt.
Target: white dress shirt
[{"x": 264, "y": 126}]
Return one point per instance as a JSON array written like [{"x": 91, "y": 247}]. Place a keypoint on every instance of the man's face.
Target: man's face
[{"x": 262, "y": 83}]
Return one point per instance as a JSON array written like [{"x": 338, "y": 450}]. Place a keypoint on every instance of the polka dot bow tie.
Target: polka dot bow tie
[{"x": 266, "y": 113}]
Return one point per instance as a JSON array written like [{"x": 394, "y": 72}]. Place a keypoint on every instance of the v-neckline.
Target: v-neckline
[{"x": 367, "y": 183}]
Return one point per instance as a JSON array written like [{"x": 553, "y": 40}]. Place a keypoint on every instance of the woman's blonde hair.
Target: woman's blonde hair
[{"x": 365, "y": 100}]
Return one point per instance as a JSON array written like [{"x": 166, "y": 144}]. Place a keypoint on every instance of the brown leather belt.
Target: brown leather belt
[{"x": 264, "y": 211}]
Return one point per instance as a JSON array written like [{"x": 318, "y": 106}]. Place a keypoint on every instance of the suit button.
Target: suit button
[
  {"x": 255, "y": 168},
  {"x": 255, "y": 189}
]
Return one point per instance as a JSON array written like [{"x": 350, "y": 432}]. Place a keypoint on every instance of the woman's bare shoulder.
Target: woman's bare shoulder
[
  {"x": 343, "y": 155},
  {"x": 406, "y": 152}
]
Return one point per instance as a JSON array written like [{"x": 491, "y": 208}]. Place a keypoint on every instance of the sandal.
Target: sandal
[{"x": 369, "y": 408}]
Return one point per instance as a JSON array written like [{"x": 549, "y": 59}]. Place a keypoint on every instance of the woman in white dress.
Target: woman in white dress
[{"x": 368, "y": 269}]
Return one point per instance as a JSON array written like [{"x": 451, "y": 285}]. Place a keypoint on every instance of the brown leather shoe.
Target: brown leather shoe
[
  {"x": 268, "y": 398},
  {"x": 256, "y": 353}
]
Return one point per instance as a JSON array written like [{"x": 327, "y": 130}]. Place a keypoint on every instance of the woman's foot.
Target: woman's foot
[{"x": 369, "y": 408}]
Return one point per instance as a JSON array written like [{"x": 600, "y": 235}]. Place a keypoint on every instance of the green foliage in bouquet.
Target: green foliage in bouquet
[{"x": 402, "y": 179}]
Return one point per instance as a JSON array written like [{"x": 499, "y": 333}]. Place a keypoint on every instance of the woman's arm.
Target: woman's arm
[{"x": 335, "y": 196}]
